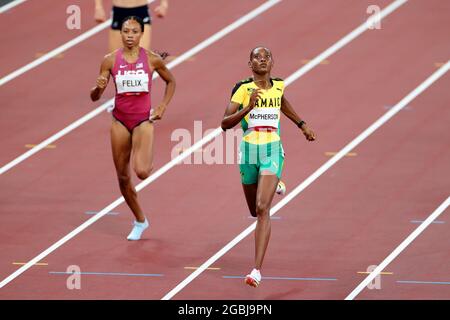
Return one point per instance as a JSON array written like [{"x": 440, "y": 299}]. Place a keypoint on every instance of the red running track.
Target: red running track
[{"x": 352, "y": 217}]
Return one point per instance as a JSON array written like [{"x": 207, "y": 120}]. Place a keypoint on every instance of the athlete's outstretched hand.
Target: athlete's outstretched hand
[
  {"x": 256, "y": 94},
  {"x": 102, "y": 82},
  {"x": 309, "y": 134},
  {"x": 157, "y": 113}
]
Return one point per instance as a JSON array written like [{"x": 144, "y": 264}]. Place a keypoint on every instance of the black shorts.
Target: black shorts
[{"x": 118, "y": 14}]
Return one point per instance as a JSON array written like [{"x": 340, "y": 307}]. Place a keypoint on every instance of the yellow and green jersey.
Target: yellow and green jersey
[{"x": 266, "y": 112}]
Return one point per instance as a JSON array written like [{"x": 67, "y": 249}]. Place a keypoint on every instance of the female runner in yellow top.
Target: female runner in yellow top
[{"x": 256, "y": 103}]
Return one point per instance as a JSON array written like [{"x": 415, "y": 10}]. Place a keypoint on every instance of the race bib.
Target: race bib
[
  {"x": 264, "y": 117},
  {"x": 132, "y": 81}
]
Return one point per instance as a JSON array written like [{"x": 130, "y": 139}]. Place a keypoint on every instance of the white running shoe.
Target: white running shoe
[
  {"x": 281, "y": 188},
  {"x": 138, "y": 228},
  {"x": 254, "y": 278}
]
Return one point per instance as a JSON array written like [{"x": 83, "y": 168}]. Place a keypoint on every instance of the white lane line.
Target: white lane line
[
  {"x": 399, "y": 249},
  {"x": 188, "y": 54},
  {"x": 11, "y": 5},
  {"x": 348, "y": 38},
  {"x": 267, "y": 5},
  {"x": 56, "y": 51},
  {"x": 341, "y": 154},
  {"x": 144, "y": 183},
  {"x": 110, "y": 207},
  {"x": 338, "y": 45}
]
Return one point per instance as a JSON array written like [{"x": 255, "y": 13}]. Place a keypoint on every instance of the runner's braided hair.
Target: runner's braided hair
[{"x": 139, "y": 20}]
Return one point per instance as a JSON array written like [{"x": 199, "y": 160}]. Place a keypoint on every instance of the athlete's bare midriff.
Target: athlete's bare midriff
[{"x": 129, "y": 3}]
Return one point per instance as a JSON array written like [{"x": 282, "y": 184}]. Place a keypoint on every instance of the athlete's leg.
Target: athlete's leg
[
  {"x": 142, "y": 149},
  {"x": 115, "y": 40},
  {"x": 250, "y": 196},
  {"x": 267, "y": 185},
  {"x": 249, "y": 175},
  {"x": 121, "y": 150},
  {"x": 146, "y": 39}
]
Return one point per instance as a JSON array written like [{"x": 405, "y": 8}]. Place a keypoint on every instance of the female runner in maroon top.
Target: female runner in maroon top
[{"x": 132, "y": 126}]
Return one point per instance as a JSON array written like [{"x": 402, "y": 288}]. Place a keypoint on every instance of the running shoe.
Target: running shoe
[
  {"x": 254, "y": 278},
  {"x": 281, "y": 188},
  {"x": 137, "y": 230}
]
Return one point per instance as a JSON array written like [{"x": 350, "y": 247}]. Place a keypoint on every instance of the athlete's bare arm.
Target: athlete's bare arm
[
  {"x": 232, "y": 116},
  {"x": 103, "y": 78},
  {"x": 289, "y": 112},
  {"x": 99, "y": 14},
  {"x": 161, "y": 10},
  {"x": 157, "y": 64}
]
